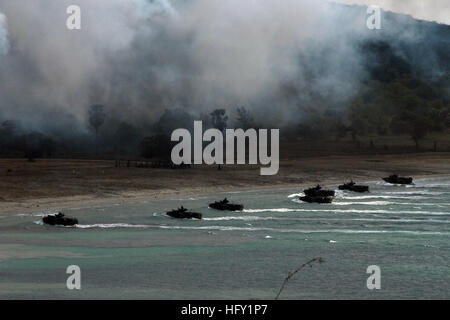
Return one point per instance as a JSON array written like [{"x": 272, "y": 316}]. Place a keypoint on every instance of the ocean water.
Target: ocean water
[{"x": 135, "y": 251}]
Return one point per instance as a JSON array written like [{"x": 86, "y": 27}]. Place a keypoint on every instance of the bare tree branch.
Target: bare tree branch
[{"x": 292, "y": 273}]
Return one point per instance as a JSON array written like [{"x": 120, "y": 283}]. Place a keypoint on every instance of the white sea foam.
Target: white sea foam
[
  {"x": 260, "y": 218},
  {"x": 436, "y": 185},
  {"x": 283, "y": 210},
  {"x": 103, "y": 225},
  {"x": 161, "y": 215},
  {"x": 296, "y": 195},
  {"x": 367, "y": 203},
  {"x": 231, "y": 228},
  {"x": 34, "y": 214},
  {"x": 385, "y": 197},
  {"x": 249, "y": 218},
  {"x": 273, "y": 210},
  {"x": 385, "y": 203},
  {"x": 112, "y": 225},
  {"x": 423, "y": 192},
  {"x": 387, "y": 184},
  {"x": 243, "y": 218}
]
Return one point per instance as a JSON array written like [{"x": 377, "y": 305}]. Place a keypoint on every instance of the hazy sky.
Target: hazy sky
[{"x": 433, "y": 10}]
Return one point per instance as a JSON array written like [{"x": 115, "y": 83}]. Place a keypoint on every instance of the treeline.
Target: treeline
[
  {"x": 107, "y": 137},
  {"x": 403, "y": 106},
  {"x": 30, "y": 145}
]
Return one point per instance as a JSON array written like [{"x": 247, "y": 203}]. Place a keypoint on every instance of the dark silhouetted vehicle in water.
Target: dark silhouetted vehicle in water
[
  {"x": 318, "y": 192},
  {"x": 225, "y": 205},
  {"x": 395, "y": 179},
  {"x": 59, "y": 219},
  {"x": 318, "y": 195},
  {"x": 352, "y": 186},
  {"x": 318, "y": 199},
  {"x": 183, "y": 213}
]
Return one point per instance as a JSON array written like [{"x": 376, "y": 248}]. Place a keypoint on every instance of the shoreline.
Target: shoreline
[
  {"x": 50, "y": 205},
  {"x": 75, "y": 184}
]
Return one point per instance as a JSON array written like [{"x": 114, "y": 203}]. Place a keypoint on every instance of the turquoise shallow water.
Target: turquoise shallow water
[{"x": 135, "y": 251}]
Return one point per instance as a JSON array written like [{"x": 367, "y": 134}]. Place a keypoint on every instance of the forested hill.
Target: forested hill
[{"x": 405, "y": 88}]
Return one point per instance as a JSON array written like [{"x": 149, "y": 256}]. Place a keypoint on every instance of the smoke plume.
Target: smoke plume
[
  {"x": 4, "y": 43},
  {"x": 139, "y": 57}
]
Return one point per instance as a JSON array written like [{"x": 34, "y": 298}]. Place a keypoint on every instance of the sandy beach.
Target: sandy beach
[{"x": 47, "y": 185}]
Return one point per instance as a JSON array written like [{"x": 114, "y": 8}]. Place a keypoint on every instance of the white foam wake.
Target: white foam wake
[
  {"x": 385, "y": 203},
  {"x": 230, "y": 228},
  {"x": 424, "y": 192},
  {"x": 242, "y": 218},
  {"x": 385, "y": 197},
  {"x": 112, "y": 226},
  {"x": 260, "y": 218},
  {"x": 104, "y": 225},
  {"x": 283, "y": 210},
  {"x": 296, "y": 195},
  {"x": 34, "y": 214}
]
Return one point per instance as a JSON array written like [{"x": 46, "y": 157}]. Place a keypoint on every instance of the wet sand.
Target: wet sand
[{"x": 50, "y": 185}]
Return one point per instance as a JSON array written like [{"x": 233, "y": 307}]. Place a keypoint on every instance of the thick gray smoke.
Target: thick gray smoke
[
  {"x": 4, "y": 43},
  {"x": 139, "y": 57}
]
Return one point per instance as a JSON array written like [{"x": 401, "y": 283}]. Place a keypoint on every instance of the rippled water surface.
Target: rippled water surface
[{"x": 136, "y": 251}]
